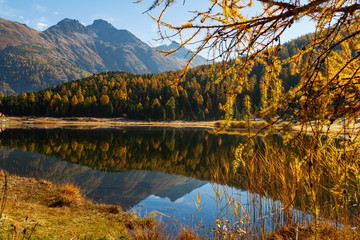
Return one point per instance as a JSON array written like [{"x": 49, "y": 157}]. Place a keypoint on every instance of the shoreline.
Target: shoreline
[
  {"x": 88, "y": 123},
  {"x": 92, "y": 123}
]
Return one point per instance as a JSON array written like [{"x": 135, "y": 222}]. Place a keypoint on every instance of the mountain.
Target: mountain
[
  {"x": 31, "y": 60},
  {"x": 183, "y": 53}
]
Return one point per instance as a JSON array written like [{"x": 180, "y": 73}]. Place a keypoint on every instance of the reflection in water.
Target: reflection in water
[
  {"x": 259, "y": 214},
  {"x": 125, "y": 189},
  {"x": 191, "y": 153},
  {"x": 163, "y": 169},
  {"x": 138, "y": 190},
  {"x": 119, "y": 167}
]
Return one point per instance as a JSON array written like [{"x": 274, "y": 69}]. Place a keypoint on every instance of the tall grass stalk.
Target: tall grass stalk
[
  {"x": 316, "y": 175},
  {"x": 298, "y": 187}
]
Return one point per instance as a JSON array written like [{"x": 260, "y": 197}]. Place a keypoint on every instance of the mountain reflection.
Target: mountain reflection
[
  {"x": 121, "y": 166},
  {"x": 126, "y": 166}
]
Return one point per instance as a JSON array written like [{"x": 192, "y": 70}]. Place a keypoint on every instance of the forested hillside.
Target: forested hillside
[
  {"x": 152, "y": 96},
  {"x": 117, "y": 94}
]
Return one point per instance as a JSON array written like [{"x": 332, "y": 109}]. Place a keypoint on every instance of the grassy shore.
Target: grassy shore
[{"x": 40, "y": 210}]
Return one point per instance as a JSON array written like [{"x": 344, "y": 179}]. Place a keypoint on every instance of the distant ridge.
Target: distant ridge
[
  {"x": 182, "y": 53},
  {"x": 31, "y": 60}
]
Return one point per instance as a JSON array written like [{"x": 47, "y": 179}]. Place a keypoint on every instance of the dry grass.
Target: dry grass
[
  {"x": 314, "y": 175},
  {"x": 70, "y": 190},
  {"x": 70, "y": 194},
  {"x": 188, "y": 234},
  {"x": 40, "y": 210},
  {"x": 156, "y": 232},
  {"x": 323, "y": 231}
]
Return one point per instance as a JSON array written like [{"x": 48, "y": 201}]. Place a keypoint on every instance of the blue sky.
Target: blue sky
[{"x": 123, "y": 14}]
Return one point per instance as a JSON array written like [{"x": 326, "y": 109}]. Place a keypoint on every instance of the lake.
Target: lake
[{"x": 190, "y": 176}]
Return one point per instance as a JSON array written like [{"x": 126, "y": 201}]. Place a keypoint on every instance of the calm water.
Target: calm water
[{"x": 140, "y": 169}]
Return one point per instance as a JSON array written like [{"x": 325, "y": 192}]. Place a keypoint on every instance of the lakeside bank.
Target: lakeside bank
[
  {"x": 37, "y": 209},
  {"x": 239, "y": 126},
  {"x": 93, "y": 123}
]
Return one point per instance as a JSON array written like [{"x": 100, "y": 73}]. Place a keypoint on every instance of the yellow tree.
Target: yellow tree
[
  {"x": 80, "y": 96},
  {"x": 104, "y": 99},
  {"x": 55, "y": 103},
  {"x": 328, "y": 91},
  {"x": 65, "y": 103},
  {"x": 329, "y": 79},
  {"x": 24, "y": 96},
  {"x": 74, "y": 101},
  {"x": 47, "y": 96},
  {"x": 32, "y": 97}
]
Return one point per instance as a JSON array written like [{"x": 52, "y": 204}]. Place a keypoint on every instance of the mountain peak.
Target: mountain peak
[
  {"x": 101, "y": 24},
  {"x": 182, "y": 53},
  {"x": 108, "y": 33},
  {"x": 173, "y": 45},
  {"x": 70, "y": 25},
  {"x": 69, "y": 22}
]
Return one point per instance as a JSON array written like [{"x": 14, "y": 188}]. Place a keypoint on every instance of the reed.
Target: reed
[
  {"x": 298, "y": 187},
  {"x": 312, "y": 174}
]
